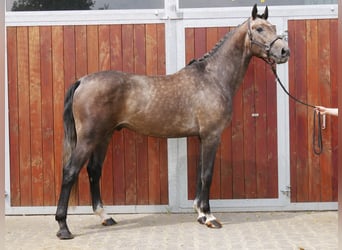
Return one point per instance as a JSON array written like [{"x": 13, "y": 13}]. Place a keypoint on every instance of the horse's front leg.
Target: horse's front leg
[
  {"x": 94, "y": 170},
  {"x": 205, "y": 173}
]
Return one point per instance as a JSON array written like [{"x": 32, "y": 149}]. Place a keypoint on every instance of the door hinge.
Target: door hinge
[{"x": 286, "y": 191}]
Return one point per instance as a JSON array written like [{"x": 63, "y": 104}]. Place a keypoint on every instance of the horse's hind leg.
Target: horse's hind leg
[
  {"x": 205, "y": 173},
  {"x": 94, "y": 169},
  {"x": 71, "y": 171}
]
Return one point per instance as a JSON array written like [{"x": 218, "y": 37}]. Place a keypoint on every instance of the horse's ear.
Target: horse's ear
[
  {"x": 265, "y": 15},
  {"x": 254, "y": 11}
]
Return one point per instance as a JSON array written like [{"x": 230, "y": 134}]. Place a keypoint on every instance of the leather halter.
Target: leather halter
[{"x": 266, "y": 47}]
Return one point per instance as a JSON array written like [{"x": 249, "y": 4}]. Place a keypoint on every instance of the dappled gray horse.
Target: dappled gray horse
[{"x": 195, "y": 101}]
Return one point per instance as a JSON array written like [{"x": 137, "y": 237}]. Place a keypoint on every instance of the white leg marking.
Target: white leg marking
[
  {"x": 210, "y": 217},
  {"x": 100, "y": 212},
  {"x": 198, "y": 210}
]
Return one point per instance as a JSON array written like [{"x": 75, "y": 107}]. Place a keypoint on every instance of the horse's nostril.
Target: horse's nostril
[{"x": 285, "y": 52}]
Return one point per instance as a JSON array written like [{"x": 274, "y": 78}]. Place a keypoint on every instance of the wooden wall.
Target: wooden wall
[
  {"x": 313, "y": 79},
  {"x": 246, "y": 164},
  {"x": 42, "y": 63}
]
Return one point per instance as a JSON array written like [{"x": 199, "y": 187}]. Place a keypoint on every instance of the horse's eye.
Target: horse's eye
[{"x": 259, "y": 29}]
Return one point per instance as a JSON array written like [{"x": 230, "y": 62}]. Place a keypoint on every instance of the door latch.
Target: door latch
[{"x": 287, "y": 191}]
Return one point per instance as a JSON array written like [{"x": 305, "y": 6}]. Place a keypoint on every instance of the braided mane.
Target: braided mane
[{"x": 214, "y": 49}]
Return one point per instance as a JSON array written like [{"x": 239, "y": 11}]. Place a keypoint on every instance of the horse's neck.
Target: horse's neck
[{"x": 231, "y": 61}]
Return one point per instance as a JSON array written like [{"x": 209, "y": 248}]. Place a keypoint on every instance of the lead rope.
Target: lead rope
[{"x": 317, "y": 147}]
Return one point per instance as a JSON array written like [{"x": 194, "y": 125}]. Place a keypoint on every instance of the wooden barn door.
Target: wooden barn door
[
  {"x": 313, "y": 79},
  {"x": 42, "y": 63},
  {"x": 246, "y": 164}
]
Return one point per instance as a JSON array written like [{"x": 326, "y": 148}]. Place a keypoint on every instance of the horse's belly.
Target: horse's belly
[{"x": 164, "y": 126}]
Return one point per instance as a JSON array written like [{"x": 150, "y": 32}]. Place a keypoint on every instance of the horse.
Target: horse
[{"x": 195, "y": 101}]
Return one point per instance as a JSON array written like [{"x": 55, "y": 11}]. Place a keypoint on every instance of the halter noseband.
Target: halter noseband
[{"x": 266, "y": 47}]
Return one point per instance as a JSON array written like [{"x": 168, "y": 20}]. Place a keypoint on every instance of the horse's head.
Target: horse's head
[{"x": 263, "y": 39}]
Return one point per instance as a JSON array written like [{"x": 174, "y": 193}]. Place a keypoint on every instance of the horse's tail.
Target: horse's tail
[{"x": 70, "y": 137}]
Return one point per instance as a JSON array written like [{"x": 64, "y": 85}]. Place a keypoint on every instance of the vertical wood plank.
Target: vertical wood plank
[
  {"x": 163, "y": 164},
  {"x": 154, "y": 189},
  {"x": 130, "y": 150},
  {"x": 226, "y": 165},
  {"x": 261, "y": 128},
  {"x": 153, "y": 148},
  {"x": 69, "y": 77},
  {"x": 292, "y": 116},
  {"x": 107, "y": 169},
  {"x": 81, "y": 59},
  {"x": 189, "y": 44},
  {"x": 271, "y": 137},
  {"x": 119, "y": 193},
  {"x": 13, "y": 106},
  {"x": 312, "y": 94},
  {"x": 69, "y": 56},
  {"x": 141, "y": 140},
  {"x": 301, "y": 123},
  {"x": 238, "y": 149},
  {"x": 92, "y": 66},
  {"x": 92, "y": 48},
  {"x": 334, "y": 102},
  {"x": 324, "y": 85},
  {"x": 35, "y": 116},
  {"x": 249, "y": 132},
  {"x": 164, "y": 184},
  {"x": 130, "y": 167},
  {"x": 116, "y": 52},
  {"x": 104, "y": 47},
  {"x": 211, "y": 38},
  {"x": 58, "y": 102},
  {"x": 81, "y": 68},
  {"x": 200, "y": 42},
  {"x": 47, "y": 115},
  {"x": 24, "y": 117}
]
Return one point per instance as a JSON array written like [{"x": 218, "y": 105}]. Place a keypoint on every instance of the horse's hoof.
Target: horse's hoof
[
  {"x": 109, "y": 222},
  {"x": 213, "y": 224},
  {"x": 202, "y": 220},
  {"x": 64, "y": 235}
]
